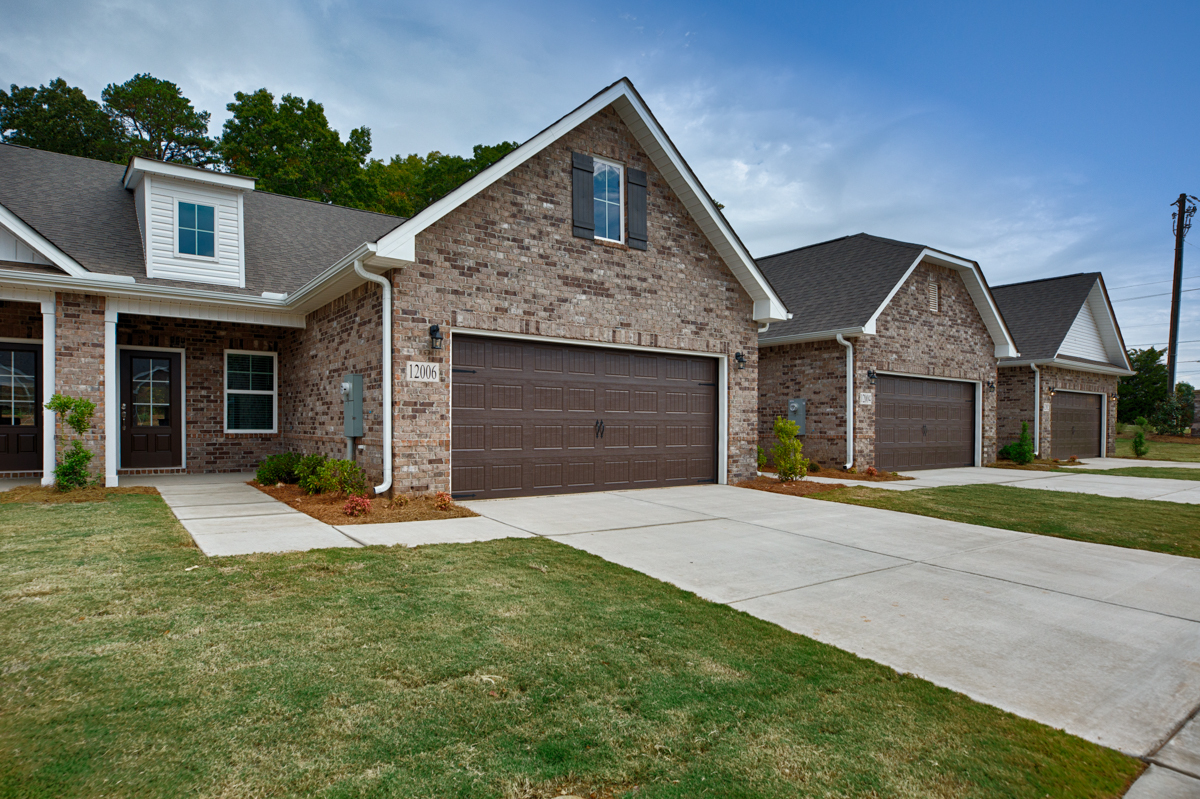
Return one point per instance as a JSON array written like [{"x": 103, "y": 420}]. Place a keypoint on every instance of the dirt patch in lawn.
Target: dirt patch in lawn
[
  {"x": 328, "y": 507},
  {"x": 1038, "y": 465},
  {"x": 51, "y": 495},
  {"x": 796, "y": 488},
  {"x": 837, "y": 474}
]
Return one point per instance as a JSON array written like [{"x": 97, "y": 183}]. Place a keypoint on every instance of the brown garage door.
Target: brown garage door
[
  {"x": 533, "y": 418},
  {"x": 1074, "y": 425},
  {"x": 924, "y": 424}
]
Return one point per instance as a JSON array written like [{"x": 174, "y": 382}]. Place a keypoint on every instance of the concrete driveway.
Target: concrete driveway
[{"x": 1100, "y": 641}]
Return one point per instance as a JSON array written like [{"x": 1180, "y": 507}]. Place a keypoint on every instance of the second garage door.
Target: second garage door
[
  {"x": 541, "y": 418},
  {"x": 924, "y": 424},
  {"x": 1074, "y": 425}
]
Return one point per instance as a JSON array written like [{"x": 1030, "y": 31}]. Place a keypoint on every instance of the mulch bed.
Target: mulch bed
[
  {"x": 796, "y": 488},
  {"x": 50, "y": 495},
  {"x": 1038, "y": 465},
  {"x": 328, "y": 507}
]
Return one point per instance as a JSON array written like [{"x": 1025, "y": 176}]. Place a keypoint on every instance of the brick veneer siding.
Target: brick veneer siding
[
  {"x": 79, "y": 363},
  {"x": 1016, "y": 401},
  {"x": 951, "y": 343},
  {"x": 341, "y": 338},
  {"x": 20, "y": 319},
  {"x": 506, "y": 261}
]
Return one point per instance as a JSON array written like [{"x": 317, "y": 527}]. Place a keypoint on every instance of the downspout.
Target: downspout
[
  {"x": 849, "y": 400},
  {"x": 1037, "y": 408},
  {"x": 764, "y": 328},
  {"x": 387, "y": 371}
]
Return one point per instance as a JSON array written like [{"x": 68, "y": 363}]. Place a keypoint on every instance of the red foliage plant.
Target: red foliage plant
[
  {"x": 357, "y": 506},
  {"x": 443, "y": 501},
  {"x": 871, "y": 471}
]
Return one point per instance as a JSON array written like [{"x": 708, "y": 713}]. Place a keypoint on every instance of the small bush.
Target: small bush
[
  {"x": 1144, "y": 425},
  {"x": 786, "y": 452},
  {"x": 1140, "y": 447},
  {"x": 442, "y": 501},
  {"x": 871, "y": 471},
  {"x": 1020, "y": 451},
  {"x": 341, "y": 477},
  {"x": 73, "y": 471},
  {"x": 762, "y": 458},
  {"x": 306, "y": 473},
  {"x": 813, "y": 466},
  {"x": 278, "y": 469},
  {"x": 1172, "y": 416},
  {"x": 357, "y": 506}
]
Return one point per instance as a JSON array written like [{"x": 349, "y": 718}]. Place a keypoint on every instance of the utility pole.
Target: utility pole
[{"x": 1183, "y": 221}]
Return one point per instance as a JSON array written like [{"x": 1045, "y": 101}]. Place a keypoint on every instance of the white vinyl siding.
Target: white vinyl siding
[
  {"x": 1083, "y": 340},
  {"x": 13, "y": 249},
  {"x": 164, "y": 261}
]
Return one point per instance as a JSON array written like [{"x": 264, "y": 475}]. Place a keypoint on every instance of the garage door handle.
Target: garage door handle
[
  {"x": 602, "y": 428},
  {"x": 924, "y": 429}
]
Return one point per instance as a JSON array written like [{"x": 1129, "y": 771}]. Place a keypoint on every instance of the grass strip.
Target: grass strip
[
  {"x": 134, "y": 666},
  {"x": 1167, "y": 472}
]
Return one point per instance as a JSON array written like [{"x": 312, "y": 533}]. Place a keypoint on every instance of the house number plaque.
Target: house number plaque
[{"x": 423, "y": 372}]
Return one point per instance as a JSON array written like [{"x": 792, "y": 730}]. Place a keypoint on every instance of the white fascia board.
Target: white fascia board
[
  {"x": 400, "y": 243},
  {"x": 139, "y": 166},
  {"x": 1061, "y": 363},
  {"x": 820, "y": 335},
  {"x": 1005, "y": 345},
  {"x": 39, "y": 243},
  {"x": 313, "y": 294}
]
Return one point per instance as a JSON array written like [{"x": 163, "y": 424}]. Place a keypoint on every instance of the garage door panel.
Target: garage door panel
[
  {"x": 1075, "y": 425},
  {"x": 529, "y": 421},
  {"x": 924, "y": 424}
]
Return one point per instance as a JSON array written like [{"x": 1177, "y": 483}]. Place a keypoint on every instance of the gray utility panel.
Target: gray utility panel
[
  {"x": 796, "y": 413},
  {"x": 352, "y": 405}
]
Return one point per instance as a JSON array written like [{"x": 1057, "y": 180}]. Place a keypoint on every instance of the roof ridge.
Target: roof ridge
[
  {"x": 63, "y": 155},
  {"x": 843, "y": 238},
  {"x": 1045, "y": 279}
]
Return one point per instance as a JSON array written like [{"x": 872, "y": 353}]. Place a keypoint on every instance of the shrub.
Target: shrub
[
  {"x": 813, "y": 466},
  {"x": 762, "y": 457},
  {"x": 442, "y": 501},
  {"x": 341, "y": 477},
  {"x": 1143, "y": 424},
  {"x": 786, "y": 452},
  {"x": 1172, "y": 416},
  {"x": 306, "y": 472},
  {"x": 871, "y": 471},
  {"x": 357, "y": 506},
  {"x": 278, "y": 469},
  {"x": 1139, "y": 445},
  {"x": 1020, "y": 451},
  {"x": 76, "y": 413}
]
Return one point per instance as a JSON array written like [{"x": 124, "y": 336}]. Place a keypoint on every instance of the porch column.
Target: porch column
[
  {"x": 49, "y": 386},
  {"x": 112, "y": 413}
]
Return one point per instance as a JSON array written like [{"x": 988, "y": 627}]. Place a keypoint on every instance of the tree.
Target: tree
[
  {"x": 61, "y": 119},
  {"x": 291, "y": 149},
  {"x": 405, "y": 185},
  {"x": 1140, "y": 393},
  {"x": 159, "y": 121}
]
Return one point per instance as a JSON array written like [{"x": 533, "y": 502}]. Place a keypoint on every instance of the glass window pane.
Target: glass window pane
[
  {"x": 205, "y": 218},
  {"x": 238, "y": 363},
  {"x": 263, "y": 363},
  {"x": 187, "y": 215},
  {"x": 239, "y": 381},
  {"x": 187, "y": 242},
  {"x": 249, "y": 411},
  {"x": 26, "y": 414},
  {"x": 614, "y": 186},
  {"x": 159, "y": 395},
  {"x": 598, "y": 211},
  {"x": 141, "y": 415},
  {"x": 24, "y": 363},
  {"x": 262, "y": 382},
  {"x": 160, "y": 415},
  {"x": 141, "y": 392},
  {"x": 140, "y": 368},
  {"x": 204, "y": 244},
  {"x": 160, "y": 370},
  {"x": 598, "y": 181}
]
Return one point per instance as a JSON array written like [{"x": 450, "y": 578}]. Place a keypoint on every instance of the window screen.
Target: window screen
[{"x": 249, "y": 392}]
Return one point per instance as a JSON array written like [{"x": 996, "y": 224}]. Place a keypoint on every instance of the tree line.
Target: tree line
[
  {"x": 287, "y": 144},
  {"x": 1147, "y": 394}
]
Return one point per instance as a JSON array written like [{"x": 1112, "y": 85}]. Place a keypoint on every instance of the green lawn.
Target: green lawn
[
  {"x": 1169, "y": 527},
  {"x": 1168, "y": 472},
  {"x": 1160, "y": 450},
  {"x": 517, "y": 668}
]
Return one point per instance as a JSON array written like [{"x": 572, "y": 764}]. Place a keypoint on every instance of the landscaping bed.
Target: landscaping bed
[
  {"x": 838, "y": 474},
  {"x": 795, "y": 488},
  {"x": 328, "y": 508},
  {"x": 132, "y": 666},
  {"x": 53, "y": 495},
  {"x": 1038, "y": 465}
]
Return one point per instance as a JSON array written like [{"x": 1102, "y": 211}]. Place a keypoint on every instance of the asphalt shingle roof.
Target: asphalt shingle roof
[
  {"x": 81, "y": 207},
  {"x": 1040, "y": 312},
  {"x": 836, "y": 284}
]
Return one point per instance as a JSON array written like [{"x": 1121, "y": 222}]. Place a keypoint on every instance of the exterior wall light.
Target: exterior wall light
[
  {"x": 871, "y": 376},
  {"x": 435, "y": 337},
  {"x": 991, "y": 385},
  {"x": 741, "y": 360},
  {"x": 1052, "y": 391}
]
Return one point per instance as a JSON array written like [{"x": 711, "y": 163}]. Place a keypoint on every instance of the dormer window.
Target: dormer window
[
  {"x": 197, "y": 230},
  {"x": 608, "y": 208}
]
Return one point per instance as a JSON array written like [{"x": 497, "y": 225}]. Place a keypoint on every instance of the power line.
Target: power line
[
  {"x": 1148, "y": 296},
  {"x": 1153, "y": 283}
]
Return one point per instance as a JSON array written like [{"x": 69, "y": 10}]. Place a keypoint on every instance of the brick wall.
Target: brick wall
[
  {"x": 1015, "y": 403},
  {"x": 341, "y": 338},
  {"x": 20, "y": 319},
  {"x": 951, "y": 343},
  {"x": 506, "y": 261},
  {"x": 79, "y": 363}
]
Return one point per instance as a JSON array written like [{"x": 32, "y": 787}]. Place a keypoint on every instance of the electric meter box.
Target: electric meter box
[
  {"x": 352, "y": 405},
  {"x": 795, "y": 411}
]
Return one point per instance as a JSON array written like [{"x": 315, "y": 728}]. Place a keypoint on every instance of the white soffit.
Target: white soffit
[{"x": 622, "y": 96}]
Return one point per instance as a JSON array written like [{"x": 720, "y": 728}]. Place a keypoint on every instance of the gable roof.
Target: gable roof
[
  {"x": 842, "y": 285},
  {"x": 82, "y": 208},
  {"x": 1042, "y": 313},
  {"x": 624, "y": 98}
]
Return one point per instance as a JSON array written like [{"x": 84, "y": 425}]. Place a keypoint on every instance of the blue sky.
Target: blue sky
[{"x": 1037, "y": 138}]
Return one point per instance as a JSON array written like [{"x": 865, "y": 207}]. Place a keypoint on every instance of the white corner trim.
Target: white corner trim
[{"x": 112, "y": 416}]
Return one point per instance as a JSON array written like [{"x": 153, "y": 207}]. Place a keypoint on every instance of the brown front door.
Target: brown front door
[
  {"x": 151, "y": 410},
  {"x": 924, "y": 424},
  {"x": 20, "y": 407},
  {"x": 531, "y": 418},
  {"x": 1074, "y": 425}
]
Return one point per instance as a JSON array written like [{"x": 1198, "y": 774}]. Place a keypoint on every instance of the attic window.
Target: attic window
[
  {"x": 933, "y": 296},
  {"x": 197, "y": 230}
]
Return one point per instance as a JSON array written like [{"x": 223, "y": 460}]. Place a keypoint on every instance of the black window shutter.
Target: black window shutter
[
  {"x": 583, "y": 217},
  {"x": 636, "y": 213}
]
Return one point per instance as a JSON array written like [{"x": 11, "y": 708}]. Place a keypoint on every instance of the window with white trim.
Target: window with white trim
[
  {"x": 609, "y": 209},
  {"x": 251, "y": 392},
  {"x": 196, "y": 230}
]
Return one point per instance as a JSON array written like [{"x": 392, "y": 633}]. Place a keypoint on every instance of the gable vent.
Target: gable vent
[{"x": 932, "y": 291}]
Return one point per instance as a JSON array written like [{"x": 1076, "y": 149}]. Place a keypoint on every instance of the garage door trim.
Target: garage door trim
[
  {"x": 1102, "y": 431},
  {"x": 722, "y": 453},
  {"x": 978, "y": 421}
]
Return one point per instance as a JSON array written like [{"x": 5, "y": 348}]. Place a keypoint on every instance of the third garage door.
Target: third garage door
[
  {"x": 1074, "y": 425},
  {"x": 924, "y": 424},
  {"x": 543, "y": 418}
]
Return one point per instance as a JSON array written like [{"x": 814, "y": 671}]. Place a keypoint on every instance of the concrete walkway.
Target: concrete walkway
[
  {"x": 1157, "y": 488},
  {"x": 1100, "y": 641}
]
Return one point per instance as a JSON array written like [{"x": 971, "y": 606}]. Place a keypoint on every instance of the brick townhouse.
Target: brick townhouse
[{"x": 579, "y": 316}]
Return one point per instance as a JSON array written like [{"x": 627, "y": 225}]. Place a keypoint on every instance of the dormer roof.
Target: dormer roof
[{"x": 139, "y": 167}]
